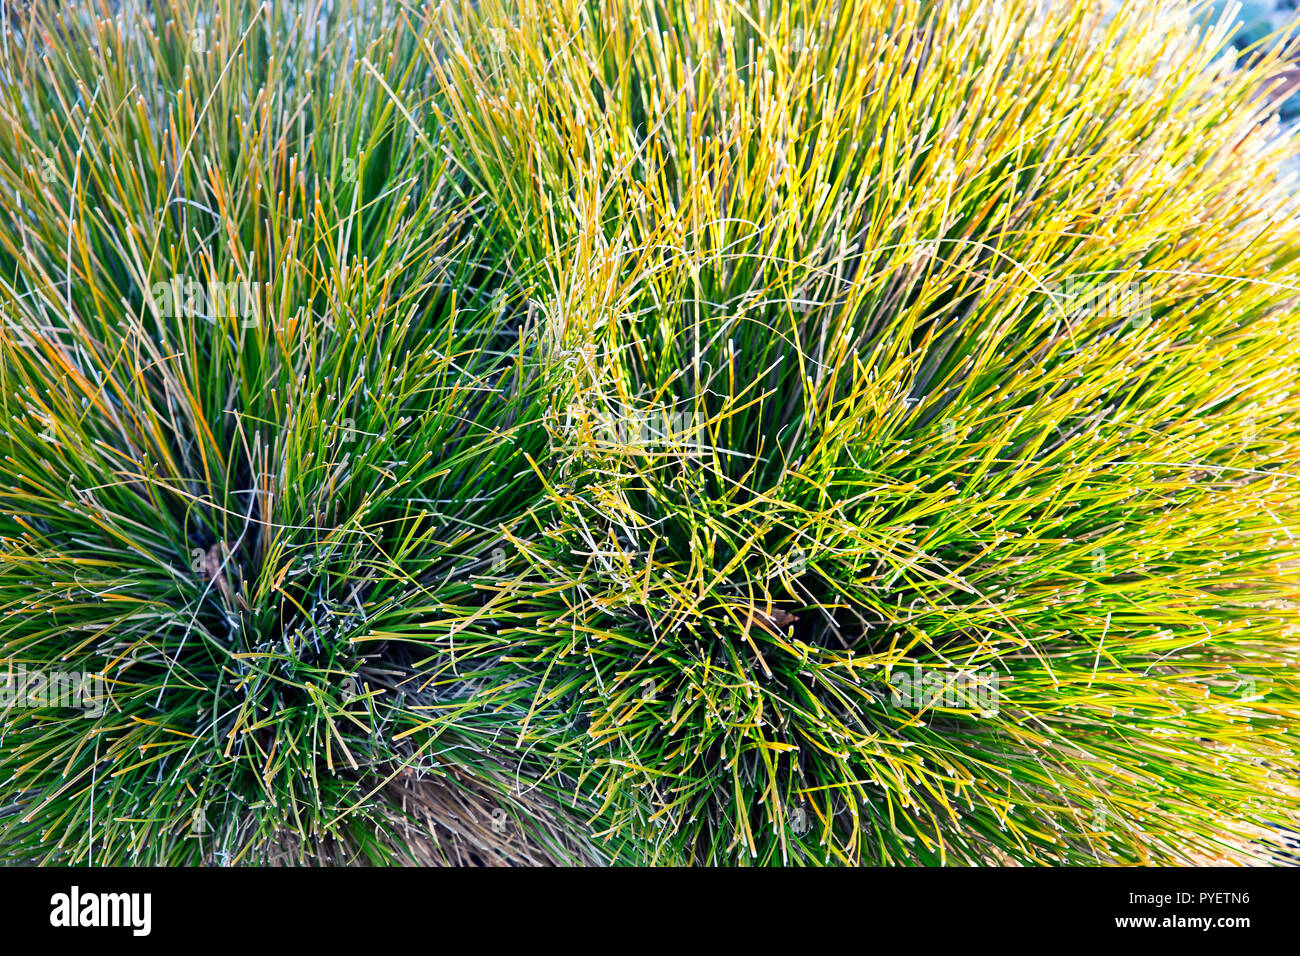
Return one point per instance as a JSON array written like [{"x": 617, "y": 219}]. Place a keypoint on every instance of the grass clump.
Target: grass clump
[
  {"x": 262, "y": 417},
  {"x": 651, "y": 432}
]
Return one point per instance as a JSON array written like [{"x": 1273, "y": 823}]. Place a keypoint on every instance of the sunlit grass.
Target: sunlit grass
[{"x": 619, "y": 405}]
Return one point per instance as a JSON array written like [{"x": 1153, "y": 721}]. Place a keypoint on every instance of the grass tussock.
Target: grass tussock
[{"x": 645, "y": 431}]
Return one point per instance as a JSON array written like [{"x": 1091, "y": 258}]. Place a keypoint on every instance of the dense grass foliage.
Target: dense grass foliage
[
  {"x": 263, "y": 417},
  {"x": 646, "y": 431}
]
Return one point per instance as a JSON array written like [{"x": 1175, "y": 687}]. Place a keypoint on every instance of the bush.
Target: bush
[{"x": 645, "y": 431}]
